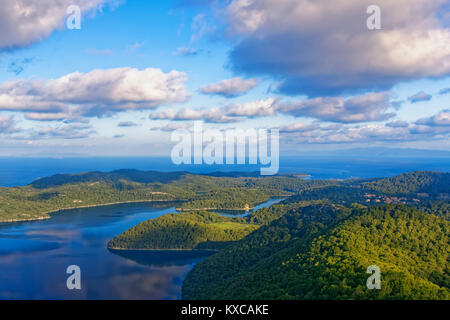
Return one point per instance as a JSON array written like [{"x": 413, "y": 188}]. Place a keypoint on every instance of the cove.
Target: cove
[{"x": 34, "y": 256}]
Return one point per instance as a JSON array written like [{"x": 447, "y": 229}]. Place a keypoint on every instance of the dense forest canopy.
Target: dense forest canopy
[
  {"x": 320, "y": 252},
  {"x": 187, "y": 230}
]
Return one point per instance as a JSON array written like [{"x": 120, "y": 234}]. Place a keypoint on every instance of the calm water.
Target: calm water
[{"x": 34, "y": 257}]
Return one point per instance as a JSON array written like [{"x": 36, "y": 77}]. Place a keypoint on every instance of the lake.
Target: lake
[{"x": 34, "y": 257}]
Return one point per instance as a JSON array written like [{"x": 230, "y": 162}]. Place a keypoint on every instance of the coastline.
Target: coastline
[
  {"x": 161, "y": 250},
  {"x": 47, "y": 215},
  {"x": 25, "y": 219},
  {"x": 213, "y": 209}
]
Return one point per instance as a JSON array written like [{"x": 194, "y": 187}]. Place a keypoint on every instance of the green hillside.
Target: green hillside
[
  {"x": 187, "y": 230},
  {"x": 320, "y": 252},
  {"x": 413, "y": 182}
]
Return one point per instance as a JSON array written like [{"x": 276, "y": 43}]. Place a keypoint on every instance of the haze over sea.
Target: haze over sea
[{"x": 345, "y": 164}]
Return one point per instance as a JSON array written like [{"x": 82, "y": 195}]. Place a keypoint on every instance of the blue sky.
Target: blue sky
[{"x": 232, "y": 64}]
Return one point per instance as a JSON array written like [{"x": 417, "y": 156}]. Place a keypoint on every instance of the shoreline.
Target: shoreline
[
  {"x": 160, "y": 250},
  {"x": 215, "y": 209},
  {"x": 54, "y": 212}
]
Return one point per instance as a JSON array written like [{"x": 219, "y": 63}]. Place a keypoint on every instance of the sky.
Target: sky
[{"x": 135, "y": 71}]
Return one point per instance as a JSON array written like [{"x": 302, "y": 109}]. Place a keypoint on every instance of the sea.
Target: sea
[{"x": 22, "y": 171}]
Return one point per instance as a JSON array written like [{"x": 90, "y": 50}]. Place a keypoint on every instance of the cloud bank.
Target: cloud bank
[
  {"x": 24, "y": 22},
  {"x": 96, "y": 93},
  {"x": 320, "y": 49},
  {"x": 363, "y": 108}
]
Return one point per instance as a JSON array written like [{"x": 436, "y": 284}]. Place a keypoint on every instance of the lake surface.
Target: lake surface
[{"x": 34, "y": 257}]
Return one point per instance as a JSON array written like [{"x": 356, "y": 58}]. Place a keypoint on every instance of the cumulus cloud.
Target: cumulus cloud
[
  {"x": 230, "y": 113},
  {"x": 419, "y": 97},
  {"x": 435, "y": 127},
  {"x": 230, "y": 87},
  {"x": 368, "y": 107},
  {"x": 96, "y": 93},
  {"x": 442, "y": 119},
  {"x": 259, "y": 108},
  {"x": 213, "y": 115},
  {"x": 25, "y": 22},
  {"x": 321, "y": 49}
]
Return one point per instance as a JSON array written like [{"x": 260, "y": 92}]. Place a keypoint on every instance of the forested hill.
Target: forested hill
[
  {"x": 409, "y": 188},
  {"x": 189, "y": 230},
  {"x": 114, "y": 176},
  {"x": 313, "y": 253},
  {"x": 413, "y": 182}
]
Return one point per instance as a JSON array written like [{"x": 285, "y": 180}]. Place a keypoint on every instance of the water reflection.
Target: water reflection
[{"x": 34, "y": 257}]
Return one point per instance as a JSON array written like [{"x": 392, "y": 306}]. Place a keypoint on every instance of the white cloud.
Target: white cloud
[
  {"x": 433, "y": 128},
  {"x": 259, "y": 108},
  {"x": 367, "y": 107},
  {"x": 98, "y": 92},
  {"x": 213, "y": 115},
  {"x": 322, "y": 49},
  {"x": 442, "y": 119},
  {"x": 230, "y": 87},
  {"x": 24, "y": 22}
]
